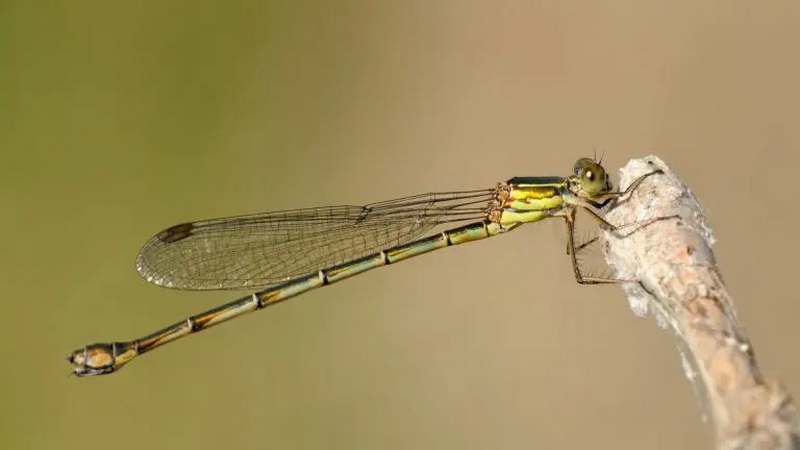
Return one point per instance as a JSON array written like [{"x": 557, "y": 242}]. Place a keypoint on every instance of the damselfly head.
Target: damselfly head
[{"x": 590, "y": 177}]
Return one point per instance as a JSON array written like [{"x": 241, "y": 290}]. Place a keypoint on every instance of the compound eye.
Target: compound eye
[
  {"x": 589, "y": 175},
  {"x": 581, "y": 165}
]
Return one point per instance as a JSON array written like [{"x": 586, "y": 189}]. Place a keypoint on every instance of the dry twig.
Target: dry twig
[{"x": 682, "y": 287}]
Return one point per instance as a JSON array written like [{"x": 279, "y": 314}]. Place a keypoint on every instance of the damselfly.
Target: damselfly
[{"x": 286, "y": 253}]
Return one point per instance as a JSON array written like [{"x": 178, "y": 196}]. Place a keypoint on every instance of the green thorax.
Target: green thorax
[{"x": 530, "y": 199}]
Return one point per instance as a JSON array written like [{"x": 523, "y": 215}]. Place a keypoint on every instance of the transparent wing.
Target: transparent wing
[{"x": 262, "y": 249}]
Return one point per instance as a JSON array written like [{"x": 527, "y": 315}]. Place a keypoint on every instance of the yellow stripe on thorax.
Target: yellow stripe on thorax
[{"x": 534, "y": 201}]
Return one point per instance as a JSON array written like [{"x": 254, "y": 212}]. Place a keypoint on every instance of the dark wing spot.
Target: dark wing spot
[
  {"x": 365, "y": 210},
  {"x": 175, "y": 233}
]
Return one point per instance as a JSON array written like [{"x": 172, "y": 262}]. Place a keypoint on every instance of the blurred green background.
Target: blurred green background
[{"x": 119, "y": 119}]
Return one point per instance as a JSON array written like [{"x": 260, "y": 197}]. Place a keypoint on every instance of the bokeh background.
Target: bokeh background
[{"x": 119, "y": 119}]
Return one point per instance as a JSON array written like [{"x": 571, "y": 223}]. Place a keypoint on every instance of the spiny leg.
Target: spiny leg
[
  {"x": 608, "y": 225},
  {"x": 572, "y": 250},
  {"x": 639, "y": 223},
  {"x": 584, "y": 244},
  {"x": 570, "y": 219}
]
